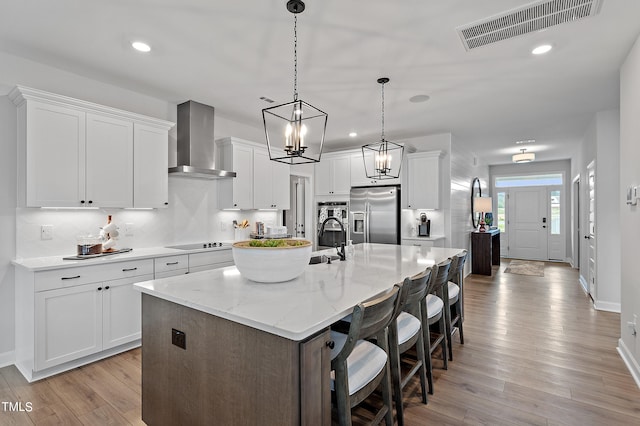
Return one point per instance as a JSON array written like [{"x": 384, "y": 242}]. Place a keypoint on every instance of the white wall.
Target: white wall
[
  {"x": 191, "y": 217},
  {"x": 464, "y": 167},
  {"x": 629, "y": 345},
  {"x": 608, "y": 196},
  {"x": 7, "y": 226}
]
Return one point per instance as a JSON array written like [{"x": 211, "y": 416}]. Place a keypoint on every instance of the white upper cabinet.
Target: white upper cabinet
[
  {"x": 333, "y": 175},
  {"x": 423, "y": 180},
  {"x": 359, "y": 174},
  {"x": 235, "y": 155},
  {"x": 109, "y": 161},
  {"x": 51, "y": 153},
  {"x": 270, "y": 182},
  {"x": 150, "y": 164},
  {"x": 73, "y": 153}
]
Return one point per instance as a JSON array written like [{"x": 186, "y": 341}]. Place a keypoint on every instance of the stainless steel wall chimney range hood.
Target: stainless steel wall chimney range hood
[{"x": 195, "y": 143}]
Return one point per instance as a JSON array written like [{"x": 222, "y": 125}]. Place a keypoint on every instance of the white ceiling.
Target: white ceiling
[{"x": 229, "y": 53}]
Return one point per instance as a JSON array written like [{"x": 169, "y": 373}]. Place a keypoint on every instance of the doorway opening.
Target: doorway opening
[{"x": 530, "y": 215}]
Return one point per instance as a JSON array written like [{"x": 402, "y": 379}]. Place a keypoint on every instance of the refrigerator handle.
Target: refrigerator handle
[{"x": 366, "y": 222}]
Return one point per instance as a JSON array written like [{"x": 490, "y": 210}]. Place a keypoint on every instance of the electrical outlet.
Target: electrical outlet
[
  {"x": 179, "y": 338},
  {"x": 46, "y": 232},
  {"x": 223, "y": 226},
  {"x": 128, "y": 229}
]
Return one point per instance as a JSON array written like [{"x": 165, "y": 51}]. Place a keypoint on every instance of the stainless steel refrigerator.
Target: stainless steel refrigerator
[{"x": 375, "y": 215}]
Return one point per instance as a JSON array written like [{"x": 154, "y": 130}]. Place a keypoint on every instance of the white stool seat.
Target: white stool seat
[
  {"x": 408, "y": 326},
  {"x": 364, "y": 363},
  {"x": 454, "y": 290},
  {"x": 434, "y": 305}
]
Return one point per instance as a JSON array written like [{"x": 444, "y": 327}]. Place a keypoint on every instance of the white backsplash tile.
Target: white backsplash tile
[{"x": 192, "y": 216}]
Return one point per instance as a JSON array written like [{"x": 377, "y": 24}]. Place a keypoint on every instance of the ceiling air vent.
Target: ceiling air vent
[{"x": 528, "y": 18}]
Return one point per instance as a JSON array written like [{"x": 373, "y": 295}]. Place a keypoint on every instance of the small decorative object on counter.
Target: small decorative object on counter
[
  {"x": 109, "y": 233},
  {"x": 241, "y": 231},
  {"x": 89, "y": 245}
]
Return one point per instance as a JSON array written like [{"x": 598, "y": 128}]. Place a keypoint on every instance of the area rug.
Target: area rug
[{"x": 526, "y": 267}]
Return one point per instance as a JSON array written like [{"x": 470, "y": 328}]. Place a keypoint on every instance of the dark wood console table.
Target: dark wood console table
[{"x": 485, "y": 251}]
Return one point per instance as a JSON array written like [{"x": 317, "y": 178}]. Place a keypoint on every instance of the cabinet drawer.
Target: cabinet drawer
[
  {"x": 173, "y": 273},
  {"x": 171, "y": 263},
  {"x": 61, "y": 278},
  {"x": 211, "y": 258}
]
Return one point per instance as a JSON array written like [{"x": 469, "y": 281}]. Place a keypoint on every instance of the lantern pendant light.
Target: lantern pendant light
[
  {"x": 382, "y": 160},
  {"x": 295, "y": 131}
]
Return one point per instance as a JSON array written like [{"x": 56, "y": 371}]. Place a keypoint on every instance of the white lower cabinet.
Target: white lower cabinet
[
  {"x": 432, "y": 242},
  {"x": 121, "y": 312},
  {"x": 72, "y": 316},
  {"x": 210, "y": 260},
  {"x": 68, "y": 324},
  {"x": 171, "y": 266},
  {"x": 74, "y": 322}
]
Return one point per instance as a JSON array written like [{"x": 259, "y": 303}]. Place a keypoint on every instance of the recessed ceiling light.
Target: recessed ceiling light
[
  {"x": 525, "y": 141},
  {"x": 141, "y": 46},
  {"x": 419, "y": 98},
  {"x": 353, "y": 134},
  {"x": 544, "y": 48}
]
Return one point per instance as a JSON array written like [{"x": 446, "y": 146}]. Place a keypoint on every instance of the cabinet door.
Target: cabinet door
[
  {"x": 109, "y": 165},
  {"x": 342, "y": 175},
  {"x": 68, "y": 324},
  {"x": 150, "y": 163},
  {"x": 55, "y": 155},
  {"x": 423, "y": 175},
  {"x": 323, "y": 172},
  {"x": 243, "y": 182},
  {"x": 121, "y": 306},
  {"x": 262, "y": 180},
  {"x": 358, "y": 172},
  {"x": 280, "y": 181}
]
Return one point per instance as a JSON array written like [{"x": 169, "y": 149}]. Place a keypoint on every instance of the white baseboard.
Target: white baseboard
[
  {"x": 583, "y": 284},
  {"x": 607, "y": 306},
  {"x": 629, "y": 361},
  {"x": 7, "y": 358}
]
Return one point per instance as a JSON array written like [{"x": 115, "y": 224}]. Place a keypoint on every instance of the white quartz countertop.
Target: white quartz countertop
[
  {"x": 297, "y": 309},
  {"x": 56, "y": 262}
]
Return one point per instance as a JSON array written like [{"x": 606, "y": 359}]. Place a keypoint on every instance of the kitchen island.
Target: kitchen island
[{"x": 220, "y": 349}]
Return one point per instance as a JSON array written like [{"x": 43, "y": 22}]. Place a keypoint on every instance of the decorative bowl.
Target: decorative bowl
[{"x": 271, "y": 261}]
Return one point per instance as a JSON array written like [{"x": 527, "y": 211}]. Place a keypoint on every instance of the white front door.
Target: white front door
[{"x": 528, "y": 223}]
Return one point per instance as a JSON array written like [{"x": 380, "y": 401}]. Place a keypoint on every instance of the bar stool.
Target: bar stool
[
  {"x": 436, "y": 314},
  {"x": 359, "y": 366},
  {"x": 406, "y": 332},
  {"x": 455, "y": 290}
]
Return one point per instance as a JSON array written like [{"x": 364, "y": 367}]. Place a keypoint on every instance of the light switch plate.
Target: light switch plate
[{"x": 128, "y": 229}]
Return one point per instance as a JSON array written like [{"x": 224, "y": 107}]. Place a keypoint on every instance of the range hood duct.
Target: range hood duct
[{"x": 195, "y": 143}]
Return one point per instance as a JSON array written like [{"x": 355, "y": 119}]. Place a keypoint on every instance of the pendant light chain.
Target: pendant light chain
[
  {"x": 382, "y": 136},
  {"x": 295, "y": 57}
]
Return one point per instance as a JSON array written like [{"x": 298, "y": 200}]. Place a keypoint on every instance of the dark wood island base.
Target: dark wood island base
[{"x": 229, "y": 373}]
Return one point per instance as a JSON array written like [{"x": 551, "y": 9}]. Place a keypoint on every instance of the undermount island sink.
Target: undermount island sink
[{"x": 322, "y": 259}]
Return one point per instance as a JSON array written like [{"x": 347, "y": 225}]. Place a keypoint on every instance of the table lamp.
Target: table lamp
[{"x": 482, "y": 205}]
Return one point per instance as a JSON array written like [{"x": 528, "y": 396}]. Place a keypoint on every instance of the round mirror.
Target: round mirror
[{"x": 476, "y": 191}]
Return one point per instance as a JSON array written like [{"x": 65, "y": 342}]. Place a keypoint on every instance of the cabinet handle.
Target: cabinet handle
[
  {"x": 106, "y": 288},
  {"x": 70, "y": 278},
  {"x": 129, "y": 269},
  {"x": 166, "y": 203},
  {"x": 331, "y": 344},
  {"x": 90, "y": 202},
  {"x": 99, "y": 288},
  {"x": 172, "y": 263},
  {"x": 81, "y": 201}
]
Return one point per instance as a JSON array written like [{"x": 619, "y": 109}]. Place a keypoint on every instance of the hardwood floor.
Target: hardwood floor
[{"x": 535, "y": 353}]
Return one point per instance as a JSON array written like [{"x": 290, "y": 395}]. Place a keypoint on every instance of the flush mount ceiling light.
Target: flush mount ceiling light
[
  {"x": 353, "y": 134},
  {"x": 141, "y": 46},
  {"x": 382, "y": 160},
  {"x": 542, "y": 49},
  {"x": 523, "y": 157},
  {"x": 295, "y": 130}
]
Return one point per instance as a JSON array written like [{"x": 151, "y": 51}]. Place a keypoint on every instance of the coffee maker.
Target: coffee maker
[{"x": 424, "y": 227}]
